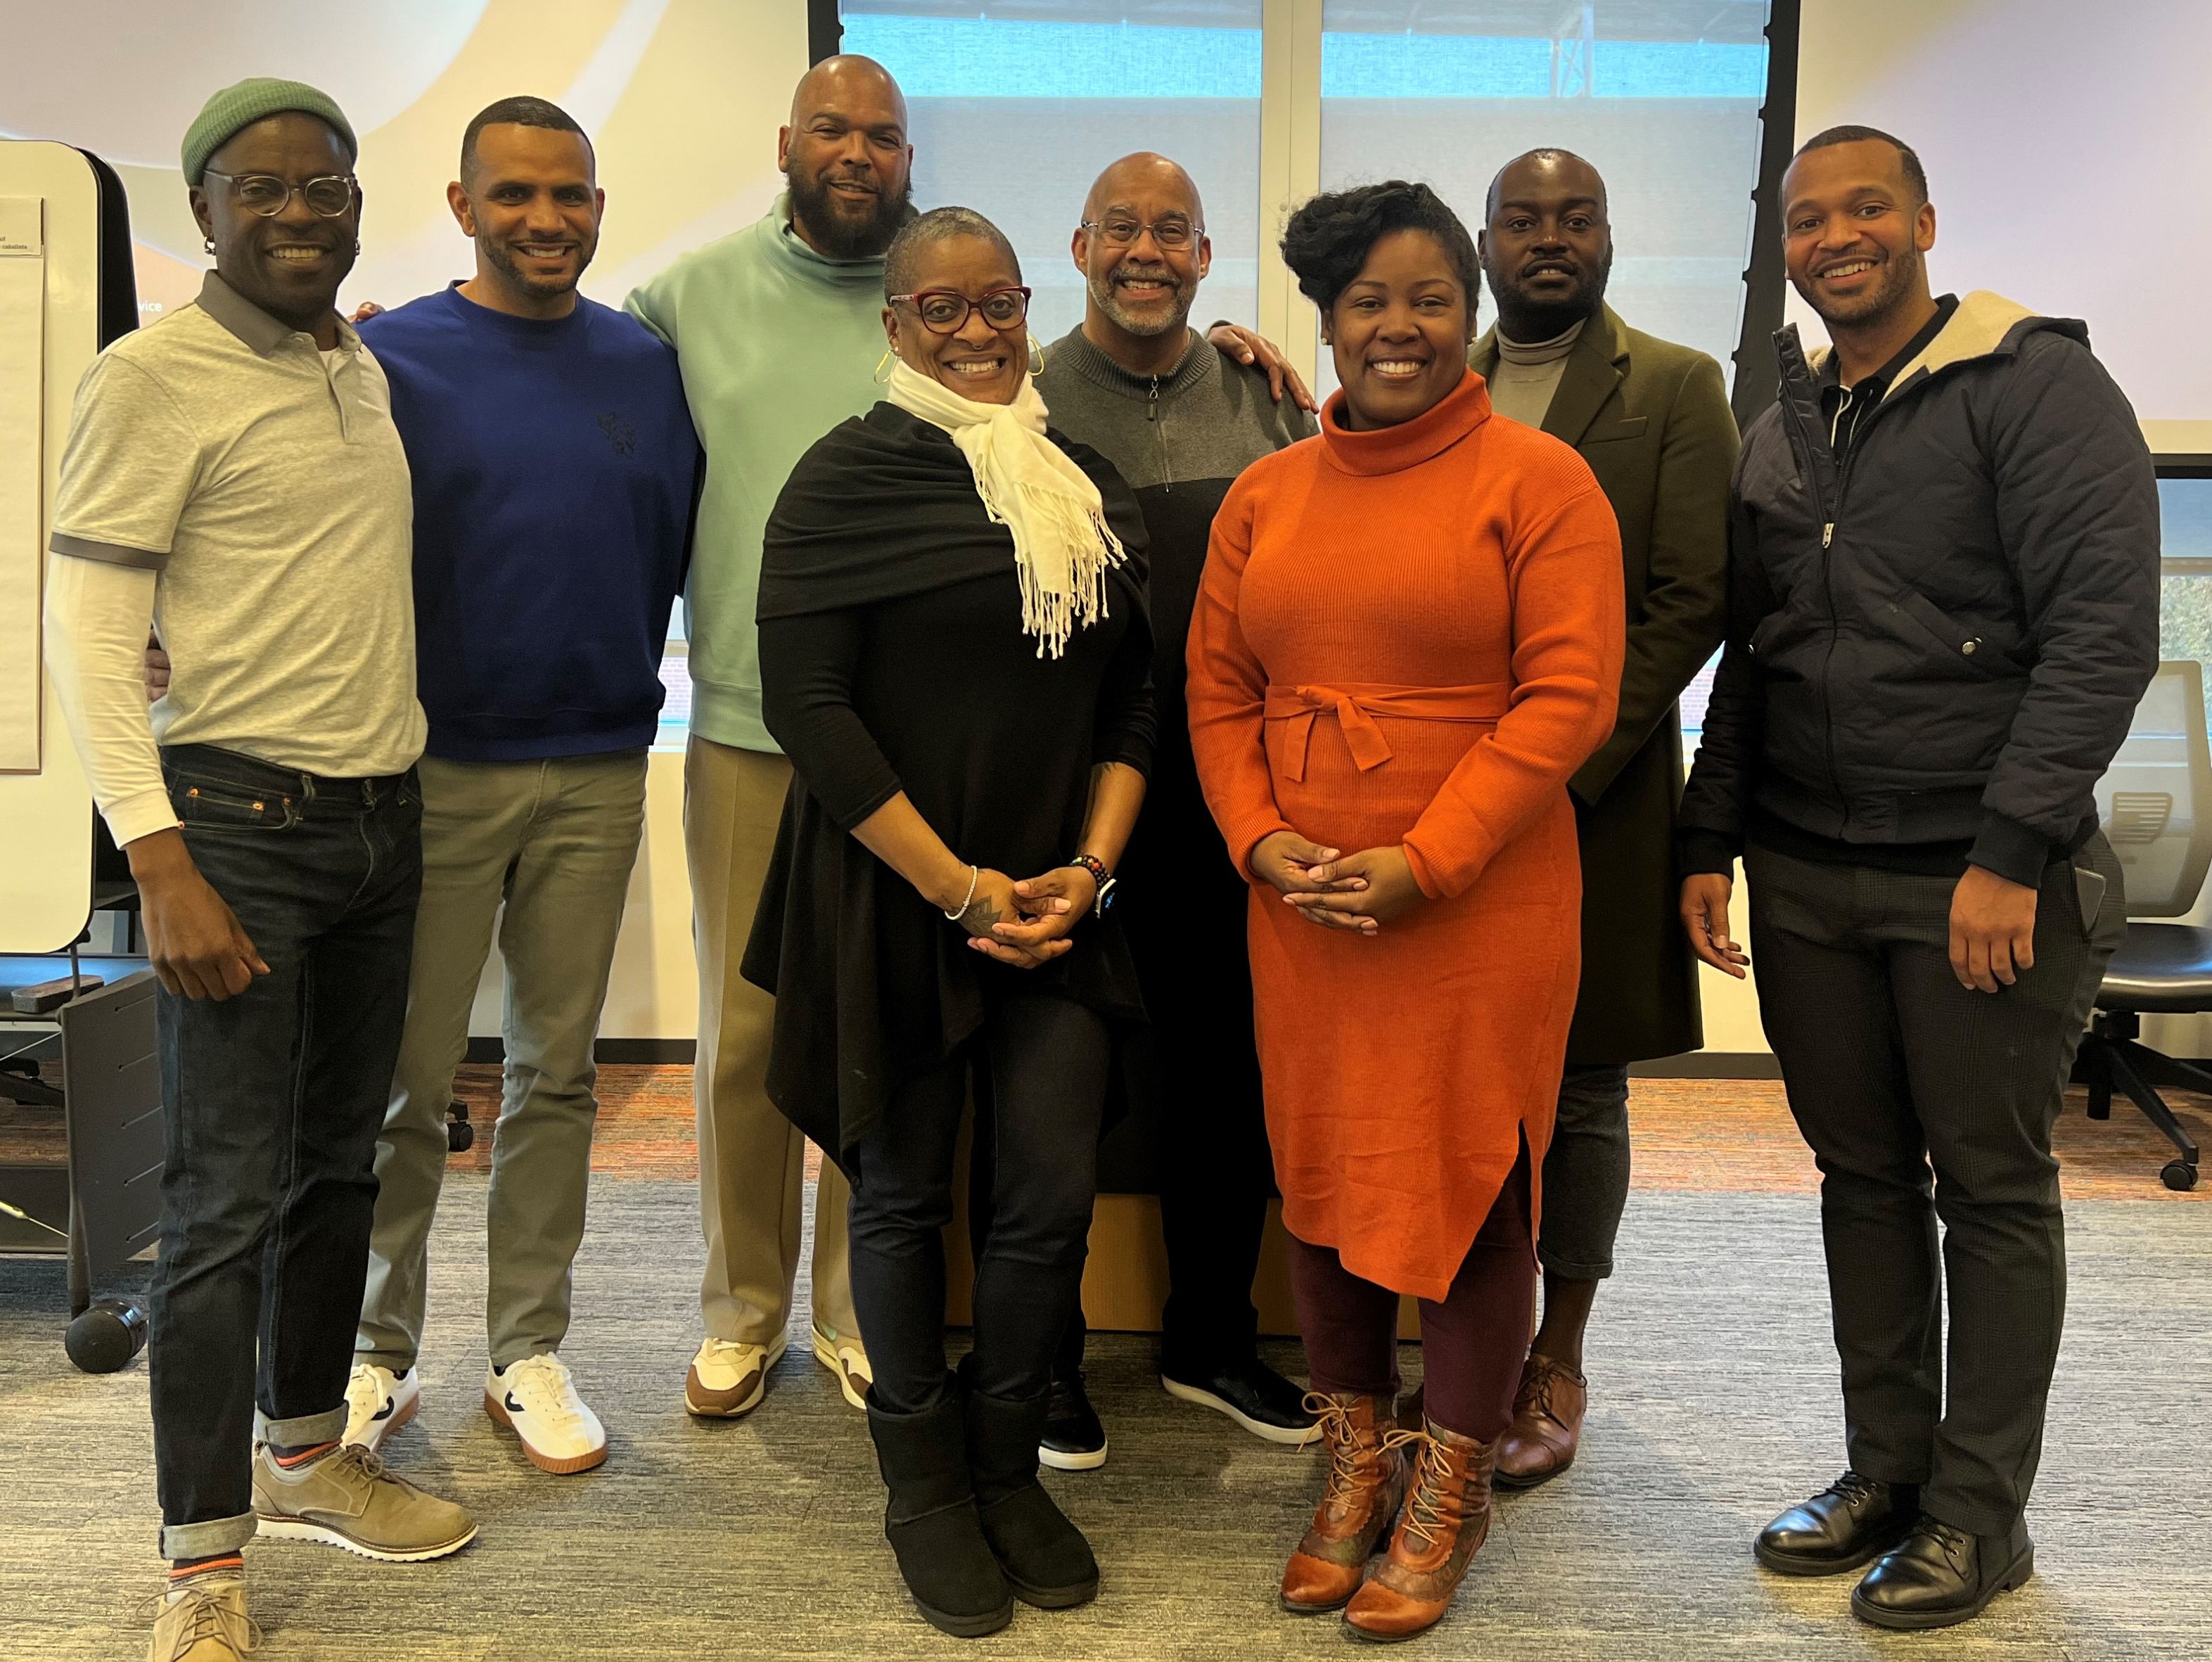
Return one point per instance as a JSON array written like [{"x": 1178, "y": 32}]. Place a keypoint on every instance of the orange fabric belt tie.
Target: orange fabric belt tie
[{"x": 1355, "y": 706}]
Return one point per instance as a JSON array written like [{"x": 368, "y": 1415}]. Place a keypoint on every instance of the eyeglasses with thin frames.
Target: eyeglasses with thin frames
[
  {"x": 944, "y": 311},
  {"x": 327, "y": 195},
  {"x": 1169, "y": 234}
]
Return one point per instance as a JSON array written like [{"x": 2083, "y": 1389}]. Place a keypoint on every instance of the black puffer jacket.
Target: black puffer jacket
[{"x": 1943, "y": 641}]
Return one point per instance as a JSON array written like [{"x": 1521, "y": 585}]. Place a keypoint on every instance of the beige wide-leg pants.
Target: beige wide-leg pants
[{"x": 752, "y": 1160}]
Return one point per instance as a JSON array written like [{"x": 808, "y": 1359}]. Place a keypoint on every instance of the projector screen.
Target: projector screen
[
  {"x": 2068, "y": 153},
  {"x": 682, "y": 98}
]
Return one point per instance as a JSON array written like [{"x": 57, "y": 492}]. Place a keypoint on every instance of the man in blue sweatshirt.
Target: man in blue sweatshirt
[{"x": 554, "y": 466}]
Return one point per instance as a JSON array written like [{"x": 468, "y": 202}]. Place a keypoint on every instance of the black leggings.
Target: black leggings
[{"x": 1046, "y": 1060}]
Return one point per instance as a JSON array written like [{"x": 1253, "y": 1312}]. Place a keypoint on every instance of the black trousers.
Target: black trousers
[
  {"x": 1041, "y": 1063},
  {"x": 1892, "y": 1068}
]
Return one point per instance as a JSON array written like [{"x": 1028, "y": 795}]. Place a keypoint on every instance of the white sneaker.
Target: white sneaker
[
  {"x": 536, "y": 1400},
  {"x": 727, "y": 1379},
  {"x": 849, "y": 1362},
  {"x": 378, "y": 1402}
]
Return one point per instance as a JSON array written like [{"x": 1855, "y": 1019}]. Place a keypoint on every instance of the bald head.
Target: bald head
[
  {"x": 1148, "y": 175},
  {"x": 1544, "y": 172},
  {"x": 846, "y": 157}
]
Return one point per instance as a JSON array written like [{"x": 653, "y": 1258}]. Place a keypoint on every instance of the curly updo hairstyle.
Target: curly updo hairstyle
[{"x": 1328, "y": 238}]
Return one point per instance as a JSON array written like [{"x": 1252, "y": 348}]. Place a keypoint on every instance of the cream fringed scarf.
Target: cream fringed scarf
[{"x": 1062, "y": 545}]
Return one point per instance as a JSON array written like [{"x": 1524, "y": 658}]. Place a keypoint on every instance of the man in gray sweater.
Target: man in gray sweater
[{"x": 1180, "y": 420}]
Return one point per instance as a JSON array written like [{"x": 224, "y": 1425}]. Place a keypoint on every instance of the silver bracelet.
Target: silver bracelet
[{"x": 975, "y": 876}]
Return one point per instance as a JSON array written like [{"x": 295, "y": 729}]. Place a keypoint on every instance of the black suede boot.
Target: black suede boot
[
  {"x": 1044, "y": 1557},
  {"x": 932, "y": 1523}
]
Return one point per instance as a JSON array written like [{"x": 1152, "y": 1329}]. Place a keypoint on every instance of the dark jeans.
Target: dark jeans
[
  {"x": 272, "y": 1101},
  {"x": 1586, "y": 1175},
  {"x": 1472, "y": 1343},
  {"x": 1045, "y": 1060},
  {"x": 1892, "y": 1067}
]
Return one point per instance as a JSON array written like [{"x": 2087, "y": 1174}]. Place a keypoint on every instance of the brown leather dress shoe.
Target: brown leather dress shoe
[
  {"x": 1446, "y": 1518},
  {"x": 1547, "y": 1424},
  {"x": 1366, "y": 1483}
]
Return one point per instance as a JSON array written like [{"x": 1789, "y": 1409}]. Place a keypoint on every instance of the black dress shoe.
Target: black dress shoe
[
  {"x": 1254, "y": 1395},
  {"x": 1942, "y": 1576},
  {"x": 1851, "y": 1520},
  {"x": 1073, "y": 1439}
]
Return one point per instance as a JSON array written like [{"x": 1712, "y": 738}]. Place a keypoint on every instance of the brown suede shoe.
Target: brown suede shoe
[
  {"x": 1446, "y": 1517},
  {"x": 1547, "y": 1424},
  {"x": 1366, "y": 1483}
]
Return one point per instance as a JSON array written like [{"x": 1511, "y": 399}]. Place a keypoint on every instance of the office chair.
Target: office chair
[{"x": 2155, "y": 805}]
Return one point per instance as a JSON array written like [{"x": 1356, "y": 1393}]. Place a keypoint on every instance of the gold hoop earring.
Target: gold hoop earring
[
  {"x": 1036, "y": 357},
  {"x": 882, "y": 376}
]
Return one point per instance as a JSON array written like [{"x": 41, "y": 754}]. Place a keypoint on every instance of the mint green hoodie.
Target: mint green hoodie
[{"x": 777, "y": 345}]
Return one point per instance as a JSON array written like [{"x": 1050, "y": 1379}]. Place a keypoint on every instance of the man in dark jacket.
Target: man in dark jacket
[
  {"x": 1652, "y": 420},
  {"x": 1943, "y": 609}
]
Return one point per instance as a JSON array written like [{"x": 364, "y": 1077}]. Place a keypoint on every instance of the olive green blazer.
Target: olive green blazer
[{"x": 1652, "y": 420}]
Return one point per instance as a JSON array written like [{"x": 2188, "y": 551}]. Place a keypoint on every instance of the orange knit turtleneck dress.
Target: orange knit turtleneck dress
[{"x": 1411, "y": 637}]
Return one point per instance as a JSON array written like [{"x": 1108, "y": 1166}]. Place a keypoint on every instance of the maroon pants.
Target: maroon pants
[{"x": 1472, "y": 1343}]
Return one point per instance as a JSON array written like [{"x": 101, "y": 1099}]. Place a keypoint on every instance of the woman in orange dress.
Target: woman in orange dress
[{"x": 1408, "y": 637}]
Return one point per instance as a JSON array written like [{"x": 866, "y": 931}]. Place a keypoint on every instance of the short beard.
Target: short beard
[
  {"x": 837, "y": 235},
  {"x": 1899, "y": 273},
  {"x": 1528, "y": 322},
  {"x": 1178, "y": 314},
  {"x": 501, "y": 258}
]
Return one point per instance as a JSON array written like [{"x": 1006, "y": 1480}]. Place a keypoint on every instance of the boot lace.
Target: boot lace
[
  {"x": 1546, "y": 1374},
  {"x": 1341, "y": 1435},
  {"x": 1425, "y": 1498},
  {"x": 1851, "y": 1487},
  {"x": 203, "y": 1616}
]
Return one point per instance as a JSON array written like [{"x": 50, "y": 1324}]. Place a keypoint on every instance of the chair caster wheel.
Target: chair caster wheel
[
  {"x": 2178, "y": 1174},
  {"x": 460, "y": 1136},
  {"x": 105, "y": 1338}
]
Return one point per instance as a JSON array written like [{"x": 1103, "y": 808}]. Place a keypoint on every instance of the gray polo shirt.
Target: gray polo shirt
[{"x": 264, "y": 482}]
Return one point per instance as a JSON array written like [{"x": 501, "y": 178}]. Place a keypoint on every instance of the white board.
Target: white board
[{"x": 45, "y": 817}]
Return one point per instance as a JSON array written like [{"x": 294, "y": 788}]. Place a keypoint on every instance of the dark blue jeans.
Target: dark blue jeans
[{"x": 272, "y": 1101}]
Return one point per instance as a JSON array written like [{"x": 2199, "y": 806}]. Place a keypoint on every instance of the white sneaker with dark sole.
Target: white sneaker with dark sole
[
  {"x": 727, "y": 1379},
  {"x": 378, "y": 1402},
  {"x": 535, "y": 1399}
]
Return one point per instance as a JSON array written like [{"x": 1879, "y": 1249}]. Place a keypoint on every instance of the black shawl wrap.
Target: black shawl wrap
[{"x": 874, "y": 986}]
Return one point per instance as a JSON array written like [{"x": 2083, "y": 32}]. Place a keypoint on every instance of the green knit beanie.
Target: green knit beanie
[{"x": 239, "y": 107}]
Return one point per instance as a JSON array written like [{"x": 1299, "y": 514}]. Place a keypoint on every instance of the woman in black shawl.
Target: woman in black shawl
[{"x": 954, "y": 655}]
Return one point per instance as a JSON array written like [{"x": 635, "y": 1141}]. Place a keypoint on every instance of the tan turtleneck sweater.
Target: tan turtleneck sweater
[{"x": 1527, "y": 376}]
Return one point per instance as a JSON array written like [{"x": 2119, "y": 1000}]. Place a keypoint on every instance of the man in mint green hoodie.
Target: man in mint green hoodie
[{"x": 778, "y": 330}]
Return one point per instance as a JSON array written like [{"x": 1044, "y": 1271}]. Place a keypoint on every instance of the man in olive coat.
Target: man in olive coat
[{"x": 1652, "y": 420}]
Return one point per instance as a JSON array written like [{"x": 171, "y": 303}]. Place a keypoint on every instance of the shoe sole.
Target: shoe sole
[
  {"x": 1315, "y": 1610},
  {"x": 710, "y": 1411},
  {"x": 559, "y": 1465},
  {"x": 826, "y": 1353},
  {"x": 967, "y": 1627},
  {"x": 1052, "y": 1598},
  {"x": 1061, "y": 1460},
  {"x": 373, "y": 1439},
  {"x": 1919, "y": 1621},
  {"x": 1784, "y": 1564},
  {"x": 1283, "y": 1435},
  {"x": 1535, "y": 1480},
  {"x": 299, "y": 1528}
]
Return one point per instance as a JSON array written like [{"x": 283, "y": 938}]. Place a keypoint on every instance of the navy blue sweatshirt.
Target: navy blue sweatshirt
[{"x": 554, "y": 467}]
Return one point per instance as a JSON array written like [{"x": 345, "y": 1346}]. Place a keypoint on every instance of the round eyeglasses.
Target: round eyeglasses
[
  {"x": 1123, "y": 232},
  {"x": 944, "y": 311},
  {"x": 327, "y": 195}
]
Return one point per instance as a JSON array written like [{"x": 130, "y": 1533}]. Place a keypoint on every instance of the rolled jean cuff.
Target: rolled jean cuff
[
  {"x": 210, "y": 1539},
  {"x": 306, "y": 1430},
  {"x": 1574, "y": 1269}
]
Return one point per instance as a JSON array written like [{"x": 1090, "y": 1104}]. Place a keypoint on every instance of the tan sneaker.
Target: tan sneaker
[
  {"x": 204, "y": 1620},
  {"x": 347, "y": 1499},
  {"x": 849, "y": 1362},
  {"x": 727, "y": 1379}
]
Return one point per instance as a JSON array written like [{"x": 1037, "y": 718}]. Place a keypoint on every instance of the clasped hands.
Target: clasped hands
[
  {"x": 1356, "y": 892},
  {"x": 1026, "y": 923}
]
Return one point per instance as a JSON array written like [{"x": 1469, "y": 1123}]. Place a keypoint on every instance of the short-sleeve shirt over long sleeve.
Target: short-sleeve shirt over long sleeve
[{"x": 264, "y": 482}]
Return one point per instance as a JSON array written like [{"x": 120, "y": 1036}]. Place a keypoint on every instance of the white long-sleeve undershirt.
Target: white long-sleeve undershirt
[{"x": 98, "y": 618}]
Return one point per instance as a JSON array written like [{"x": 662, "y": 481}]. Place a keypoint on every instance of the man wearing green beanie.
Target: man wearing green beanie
[{"x": 238, "y": 461}]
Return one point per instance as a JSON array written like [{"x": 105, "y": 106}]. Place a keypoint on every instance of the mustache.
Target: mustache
[{"x": 1128, "y": 271}]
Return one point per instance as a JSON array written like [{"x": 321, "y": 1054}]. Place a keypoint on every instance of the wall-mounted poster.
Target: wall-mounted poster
[{"x": 22, "y": 475}]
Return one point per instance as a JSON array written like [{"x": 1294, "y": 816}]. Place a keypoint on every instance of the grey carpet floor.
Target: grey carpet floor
[{"x": 1714, "y": 1404}]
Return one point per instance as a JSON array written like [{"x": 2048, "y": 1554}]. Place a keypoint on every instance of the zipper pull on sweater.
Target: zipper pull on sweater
[{"x": 1827, "y": 533}]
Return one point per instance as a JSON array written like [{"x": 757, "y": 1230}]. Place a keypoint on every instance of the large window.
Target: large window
[
  {"x": 1015, "y": 109},
  {"x": 2184, "y": 623},
  {"x": 1662, "y": 96}
]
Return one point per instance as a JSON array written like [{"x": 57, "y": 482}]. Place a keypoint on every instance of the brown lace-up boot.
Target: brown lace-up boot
[
  {"x": 1547, "y": 1424},
  {"x": 1446, "y": 1517},
  {"x": 1366, "y": 1483}
]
